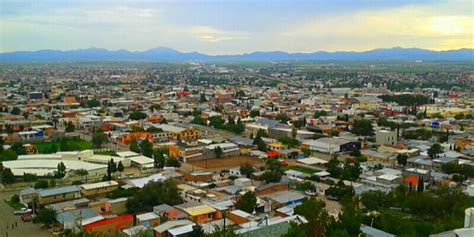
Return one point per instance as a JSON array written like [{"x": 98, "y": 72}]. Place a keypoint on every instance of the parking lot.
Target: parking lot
[{"x": 12, "y": 226}]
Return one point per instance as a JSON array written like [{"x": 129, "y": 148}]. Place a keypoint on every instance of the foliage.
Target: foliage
[
  {"x": 61, "y": 171},
  {"x": 407, "y": 99},
  {"x": 320, "y": 113},
  {"x": 254, "y": 113},
  {"x": 318, "y": 218},
  {"x": 137, "y": 115},
  {"x": 120, "y": 167},
  {"x": 159, "y": 158},
  {"x": 290, "y": 142},
  {"x": 173, "y": 162},
  {"x": 294, "y": 231},
  {"x": 463, "y": 169},
  {"x": 152, "y": 194},
  {"x": 340, "y": 191},
  {"x": 121, "y": 192},
  {"x": 29, "y": 177},
  {"x": 7, "y": 176},
  {"x": 271, "y": 176},
  {"x": 305, "y": 186},
  {"x": 99, "y": 138},
  {"x": 402, "y": 159},
  {"x": 218, "y": 152},
  {"x": 40, "y": 184},
  {"x": 46, "y": 216},
  {"x": 134, "y": 146},
  {"x": 147, "y": 148},
  {"x": 246, "y": 169},
  {"x": 247, "y": 202},
  {"x": 362, "y": 127},
  {"x": 435, "y": 150}
]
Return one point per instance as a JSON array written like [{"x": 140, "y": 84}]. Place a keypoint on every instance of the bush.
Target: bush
[
  {"x": 15, "y": 198},
  {"x": 40, "y": 184}
]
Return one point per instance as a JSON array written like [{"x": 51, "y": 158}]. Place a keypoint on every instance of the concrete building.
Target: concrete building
[{"x": 385, "y": 137}]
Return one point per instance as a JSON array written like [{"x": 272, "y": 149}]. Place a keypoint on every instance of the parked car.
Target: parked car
[
  {"x": 26, "y": 217},
  {"x": 22, "y": 211}
]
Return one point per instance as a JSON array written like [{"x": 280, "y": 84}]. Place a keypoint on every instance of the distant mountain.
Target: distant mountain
[{"x": 167, "y": 54}]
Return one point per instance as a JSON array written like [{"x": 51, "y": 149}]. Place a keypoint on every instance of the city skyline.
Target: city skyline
[{"x": 233, "y": 27}]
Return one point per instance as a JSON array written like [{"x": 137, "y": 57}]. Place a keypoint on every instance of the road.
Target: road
[{"x": 23, "y": 229}]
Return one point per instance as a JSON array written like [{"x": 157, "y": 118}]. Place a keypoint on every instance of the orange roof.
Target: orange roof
[{"x": 118, "y": 221}]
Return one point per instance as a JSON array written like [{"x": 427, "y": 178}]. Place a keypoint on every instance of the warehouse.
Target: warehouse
[{"x": 44, "y": 167}]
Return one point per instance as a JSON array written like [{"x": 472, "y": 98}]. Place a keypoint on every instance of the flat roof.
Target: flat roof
[
  {"x": 126, "y": 154},
  {"x": 99, "y": 185},
  {"x": 56, "y": 191},
  {"x": 142, "y": 160},
  {"x": 199, "y": 210},
  {"x": 312, "y": 161}
]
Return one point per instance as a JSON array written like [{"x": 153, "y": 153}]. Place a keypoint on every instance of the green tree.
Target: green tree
[
  {"x": 363, "y": 127},
  {"x": 320, "y": 113},
  {"x": 93, "y": 103},
  {"x": 402, "y": 159},
  {"x": 197, "y": 231},
  {"x": 99, "y": 138},
  {"x": 271, "y": 176},
  {"x": 173, "y": 162},
  {"x": 315, "y": 213},
  {"x": 15, "y": 111},
  {"x": 351, "y": 171},
  {"x": 246, "y": 169},
  {"x": 334, "y": 168},
  {"x": 294, "y": 231},
  {"x": 290, "y": 142},
  {"x": 46, "y": 216},
  {"x": 7, "y": 176},
  {"x": 254, "y": 113},
  {"x": 147, "y": 148},
  {"x": 70, "y": 127},
  {"x": 137, "y": 115},
  {"x": 61, "y": 171},
  {"x": 247, "y": 202},
  {"x": 435, "y": 150},
  {"x": 152, "y": 194},
  {"x": 52, "y": 183},
  {"x": 120, "y": 167},
  {"x": 159, "y": 158},
  {"x": 218, "y": 151},
  {"x": 9, "y": 154},
  {"x": 134, "y": 146},
  {"x": 40, "y": 184}
]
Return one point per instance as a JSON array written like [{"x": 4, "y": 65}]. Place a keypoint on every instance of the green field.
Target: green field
[{"x": 71, "y": 145}]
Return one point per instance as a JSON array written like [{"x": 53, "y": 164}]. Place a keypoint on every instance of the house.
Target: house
[
  {"x": 385, "y": 137},
  {"x": 202, "y": 213},
  {"x": 98, "y": 189},
  {"x": 170, "y": 212},
  {"x": 135, "y": 231},
  {"x": 239, "y": 217},
  {"x": 331, "y": 145},
  {"x": 61, "y": 194},
  {"x": 378, "y": 157},
  {"x": 162, "y": 230},
  {"x": 149, "y": 219},
  {"x": 271, "y": 188},
  {"x": 116, "y": 206},
  {"x": 109, "y": 226},
  {"x": 27, "y": 196},
  {"x": 69, "y": 219}
]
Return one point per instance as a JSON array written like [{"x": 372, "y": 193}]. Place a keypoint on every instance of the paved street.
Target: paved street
[{"x": 7, "y": 219}]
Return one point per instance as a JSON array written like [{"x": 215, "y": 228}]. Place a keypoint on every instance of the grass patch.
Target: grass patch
[
  {"x": 14, "y": 205},
  {"x": 306, "y": 170},
  {"x": 106, "y": 153},
  {"x": 72, "y": 145}
]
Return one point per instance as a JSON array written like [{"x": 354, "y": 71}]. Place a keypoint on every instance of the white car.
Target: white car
[{"x": 22, "y": 211}]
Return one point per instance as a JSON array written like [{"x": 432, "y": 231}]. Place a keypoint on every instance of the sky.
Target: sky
[{"x": 236, "y": 26}]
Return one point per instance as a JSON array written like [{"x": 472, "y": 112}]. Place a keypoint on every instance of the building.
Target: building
[
  {"x": 98, "y": 189},
  {"x": 61, "y": 194},
  {"x": 202, "y": 213},
  {"x": 149, "y": 219},
  {"x": 331, "y": 145},
  {"x": 385, "y": 137},
  {"x": 110, "y": 226}
]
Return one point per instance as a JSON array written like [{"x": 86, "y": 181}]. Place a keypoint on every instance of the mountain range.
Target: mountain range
[{"x": 168, "y": 54}]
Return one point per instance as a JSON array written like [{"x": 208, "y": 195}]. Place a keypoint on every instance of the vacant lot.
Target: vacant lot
[{"x": 226, "y": 162}]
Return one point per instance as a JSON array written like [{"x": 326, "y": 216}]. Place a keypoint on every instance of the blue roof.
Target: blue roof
[
  {"x": 57, "y": 191},
  {"x": 73, "y": 215}
]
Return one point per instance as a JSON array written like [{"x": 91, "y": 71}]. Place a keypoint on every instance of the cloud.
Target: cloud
[
  {"x": 436, "y": 27},
  {"x": 211, "y": 35}
]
